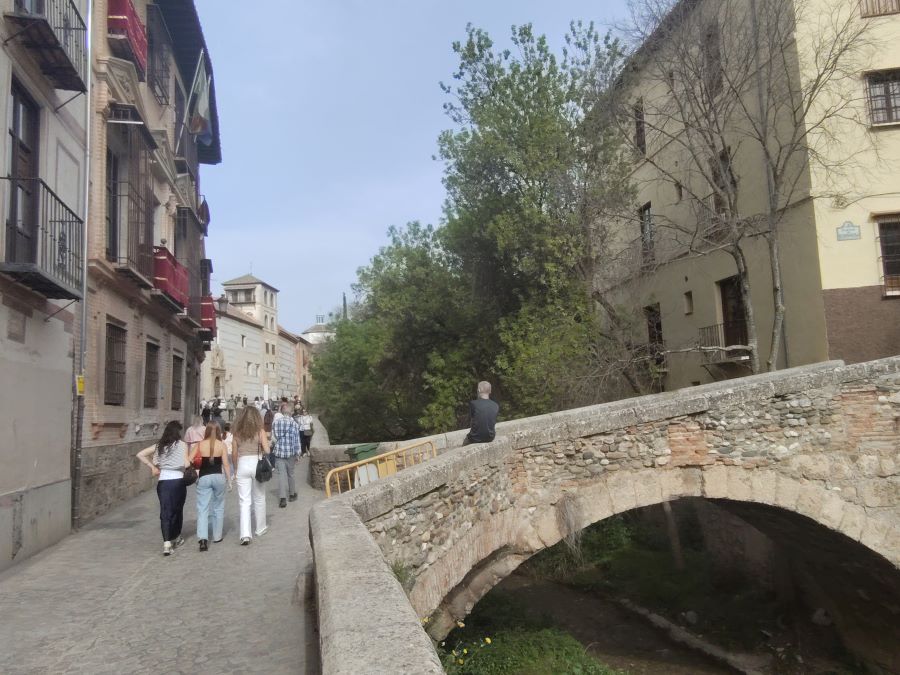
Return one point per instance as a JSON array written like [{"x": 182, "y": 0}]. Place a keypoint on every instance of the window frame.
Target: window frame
[
  {"x": 648, "y": 244},
  {"x": 884, "y": 79},
  {"x": 640, "y": 127},
  {"x": 873, "y": 8},
  {"x": 151, "y": 374},
  {"x": 115, "y": 365},
  {"x": 889, "y": 255},
  {"x": 177, "y": 381}
]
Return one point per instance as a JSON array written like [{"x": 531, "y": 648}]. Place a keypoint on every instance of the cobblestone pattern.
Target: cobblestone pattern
[
  {"x": 845, "y": 438},
  {"x": 105, "y": 600}
]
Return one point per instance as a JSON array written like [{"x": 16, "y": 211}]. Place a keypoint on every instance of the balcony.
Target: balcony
[
  {"x": 127, "y": 35},
  {"x": 55, "y": 33},
  {"x": 879, "y": 7},
  {"x": 716, "y": 340},
  {"x": 170, "y": 279},
  {"x": 130, "y": 248},
  {"x": 44, "y": 242},
  {"x": 208, "y": 316}
]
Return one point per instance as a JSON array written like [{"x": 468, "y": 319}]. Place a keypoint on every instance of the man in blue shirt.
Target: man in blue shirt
[{"x": 286, "y": 444}]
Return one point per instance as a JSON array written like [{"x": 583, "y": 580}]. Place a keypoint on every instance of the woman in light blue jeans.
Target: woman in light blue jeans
[{"x": 215, "y": 470}]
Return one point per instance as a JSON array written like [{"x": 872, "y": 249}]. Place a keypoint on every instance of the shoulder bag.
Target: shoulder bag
[{"x": 263, "y": 467}]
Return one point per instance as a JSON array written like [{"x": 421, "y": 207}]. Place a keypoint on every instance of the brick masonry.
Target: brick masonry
[{"x": 819, "y": 441}]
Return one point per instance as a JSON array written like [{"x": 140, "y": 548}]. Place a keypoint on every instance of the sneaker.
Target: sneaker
[
  {"x": 204, "y": 545},
  {"x": 178, "y": 542},
  {"x": 262, "y": 532},
  {"x": 282, "y": 503},
  {"x": 217, "y": 541},
  {"x": 293, "y": 497},
  {"x": 245, "y": 541},
  {"x": 167, "y": 548}
]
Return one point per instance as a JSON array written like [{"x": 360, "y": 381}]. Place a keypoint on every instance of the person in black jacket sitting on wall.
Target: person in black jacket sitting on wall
[{"x": 482, "y": 416}]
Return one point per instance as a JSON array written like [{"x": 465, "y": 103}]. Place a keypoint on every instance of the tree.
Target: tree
[{"x": 737, "y": 90}]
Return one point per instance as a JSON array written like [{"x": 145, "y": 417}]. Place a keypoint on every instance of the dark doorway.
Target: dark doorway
[{"x": 734, "y": 325}]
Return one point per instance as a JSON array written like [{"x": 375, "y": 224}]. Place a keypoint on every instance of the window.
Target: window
[
  {"x": 249, "y": 368},
  {"x": 22, "y": 164},
  {"x": 116, "y": 347},
  {"x": 879, "y": 7},
  {"x": 112, "y": 206},
  {"x": 177, "y": 380},
  {"x": 884, "y": 97},
  {"x": 688, "y": 302},
  {"x": 243, "y": 340},
  {"x": 151, "y": 375},
  {"x": 889, "y": 238},
  {"x": 655, "y": 345},
  {"x": 158, "y": 55},
  {"x": 647, "y": 245},
  {"x": 640, "y": 131},
  {"x": 712, "y": 60},
  {"x": 679, "y": 192}
]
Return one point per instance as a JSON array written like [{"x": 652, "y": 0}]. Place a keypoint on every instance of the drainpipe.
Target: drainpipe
[{"x": 82, "y": 347}]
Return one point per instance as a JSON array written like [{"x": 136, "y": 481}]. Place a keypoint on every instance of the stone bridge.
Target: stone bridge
[{"x": 810, "y": 456}]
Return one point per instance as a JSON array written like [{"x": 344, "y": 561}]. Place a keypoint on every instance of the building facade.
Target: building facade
[
  {"x": 837, "y": 205},
  {"x": 253, "y": 355},
  {"x": 43, "y": 76},
  {"x": 150, "y": 314}
]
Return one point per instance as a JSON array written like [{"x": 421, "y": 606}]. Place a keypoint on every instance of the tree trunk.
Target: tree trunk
[
  {"x": 749, "y": 314},
  {"x": 674, "y": 537},
  {"x": 778, "y": 300}
]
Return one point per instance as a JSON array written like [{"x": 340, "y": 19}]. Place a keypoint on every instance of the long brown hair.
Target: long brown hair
[
  {"x": 247, "y": 424},
  {"x": 213, "y": 429}
]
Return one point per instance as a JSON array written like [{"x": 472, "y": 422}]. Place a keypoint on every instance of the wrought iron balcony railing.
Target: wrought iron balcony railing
[
  {"x": 715, "y": 341},
  {"x": 879, "y": 7},
  {"x": 44, "y": 240},
  {"x": 56, "y": 34},
  {"x": 170, "y": 277},
  {"x": 126, "y": 34},
  {"x": 891, "y": 279},
  {"x": 130, "y": 239}
]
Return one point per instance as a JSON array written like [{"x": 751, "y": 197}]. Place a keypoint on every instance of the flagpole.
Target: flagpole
[{"x": 187, "y": 107}]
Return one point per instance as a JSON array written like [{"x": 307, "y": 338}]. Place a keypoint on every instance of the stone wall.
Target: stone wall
[
  {"x": 322, "y": 460},
  {"x": 111, "y": 475},
  {"x": 819, "y": 441}
]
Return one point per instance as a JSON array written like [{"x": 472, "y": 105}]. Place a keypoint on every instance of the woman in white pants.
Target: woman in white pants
[{"x": 249, "y": 443}]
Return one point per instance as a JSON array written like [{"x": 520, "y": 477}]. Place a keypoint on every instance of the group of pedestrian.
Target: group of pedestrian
[{"x": 226, "y": 454}]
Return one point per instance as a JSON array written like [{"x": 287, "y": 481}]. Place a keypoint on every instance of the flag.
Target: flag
[{"x": 200, "y": 120}]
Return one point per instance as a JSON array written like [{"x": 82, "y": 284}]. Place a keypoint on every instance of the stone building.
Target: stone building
[
  {"x": 150, "y": 314},
  {"x": 838, "y": 210},
  {"x": 43, "y": 76},
  {"x": 253, "y": 355}
]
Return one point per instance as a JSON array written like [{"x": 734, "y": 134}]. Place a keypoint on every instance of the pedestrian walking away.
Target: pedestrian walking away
[
  {"x": 215, "y": 470},
  {"x": 230, "y": 407},
  {"x": 306, "y": 431},
  {"x": 250, "y": 442},
  {"x": 286, "y": 444},
  {"x": 169, "y": 459},
  {"x": 195, "y": 433}
]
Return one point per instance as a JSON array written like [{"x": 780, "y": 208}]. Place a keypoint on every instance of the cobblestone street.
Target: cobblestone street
[{"x": 105, "y": 600}]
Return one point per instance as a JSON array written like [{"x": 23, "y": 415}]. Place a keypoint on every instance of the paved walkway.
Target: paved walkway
[{"x": 105, "y": 600}]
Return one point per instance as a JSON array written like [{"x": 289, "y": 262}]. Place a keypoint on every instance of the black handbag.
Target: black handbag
[
  {"x": 190, "y": 475},
  {"x": 263, "y": 469}
]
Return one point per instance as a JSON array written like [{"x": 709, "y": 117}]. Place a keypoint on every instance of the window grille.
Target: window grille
[
  {"x": 884, "y": 97},
  {"x": 159, "y": 54},
  {"x": 116, "y": 348},
  {"x": 177, "y": 381},
  {"x": 879, "y": 7},
  {"x": 151, "y": 375}
]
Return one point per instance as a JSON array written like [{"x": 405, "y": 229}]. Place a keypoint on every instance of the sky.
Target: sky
[{"x": 329, "y": 116}]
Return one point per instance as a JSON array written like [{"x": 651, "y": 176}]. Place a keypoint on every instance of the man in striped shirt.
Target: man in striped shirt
[{"x": 286, "y": 447}]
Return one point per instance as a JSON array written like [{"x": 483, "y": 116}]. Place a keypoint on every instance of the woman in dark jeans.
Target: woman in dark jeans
[{"x": 169, "y": 459}]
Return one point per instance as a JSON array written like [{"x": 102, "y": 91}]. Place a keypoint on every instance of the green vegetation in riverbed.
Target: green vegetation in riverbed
[
  {"x": 499, "y": 638},
  {"x": 628, "y": 558}
]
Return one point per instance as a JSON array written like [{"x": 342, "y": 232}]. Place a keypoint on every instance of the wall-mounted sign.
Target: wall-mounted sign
[{"x": 848, "y": 232}]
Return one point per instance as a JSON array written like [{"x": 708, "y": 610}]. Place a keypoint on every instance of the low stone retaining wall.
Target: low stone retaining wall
[{"x": 819, "y": 441}]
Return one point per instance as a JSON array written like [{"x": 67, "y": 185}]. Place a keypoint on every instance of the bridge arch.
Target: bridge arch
[{"x": 493, "y": 548}]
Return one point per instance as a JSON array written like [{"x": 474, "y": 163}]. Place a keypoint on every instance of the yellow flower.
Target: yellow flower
[
  {"x": 460, "y": 624},
  {"x": 425, "y": 620},
  {"x": 487, "y": 640},
  {"x": 460, "y": 662},
  {"x": 465, "y": 651}
]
